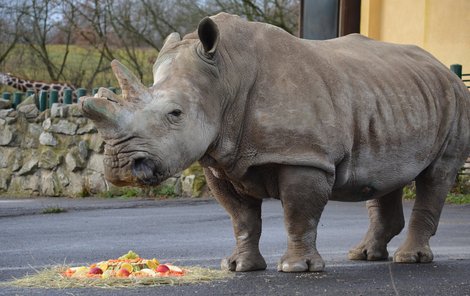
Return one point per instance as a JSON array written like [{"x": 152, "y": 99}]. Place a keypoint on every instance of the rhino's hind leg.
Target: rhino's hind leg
[
  {"x": 245, "y": 213},
  {"x": 386, "y": 221},
  {"x": 432, "y": 187},
  {"x": 304, "y": 193}
]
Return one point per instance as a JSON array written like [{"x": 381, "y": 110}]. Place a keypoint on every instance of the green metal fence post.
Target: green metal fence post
[
  {"x": 457, "y": 69},
  {"x": 67, "y": 96},
  {"x": 6, "y": 96},
  {"x": 95, "y": 90},
  {"x": 53, "y": 97},
  {"x": 17, "y": 99},
  {"x": 81, "y": 92},
  {"x": 42, "y": 100}
]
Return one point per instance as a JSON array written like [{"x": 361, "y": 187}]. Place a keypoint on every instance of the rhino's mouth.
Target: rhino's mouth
[{"x": 146, "y": 171}]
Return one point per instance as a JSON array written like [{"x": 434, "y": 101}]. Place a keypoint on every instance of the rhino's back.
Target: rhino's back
[
  {"x": 363, "y": 109},
  {"x": 402, "y": 107}
]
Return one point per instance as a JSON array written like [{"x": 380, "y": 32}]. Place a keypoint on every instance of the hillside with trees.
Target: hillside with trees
[{"x": 74, "y": 40}]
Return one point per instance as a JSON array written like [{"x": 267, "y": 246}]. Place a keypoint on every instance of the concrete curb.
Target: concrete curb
[{"x": 22, "y": 207}]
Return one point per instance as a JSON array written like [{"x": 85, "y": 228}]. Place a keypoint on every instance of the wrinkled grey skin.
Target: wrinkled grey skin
[{"x": 270, "y": 115}]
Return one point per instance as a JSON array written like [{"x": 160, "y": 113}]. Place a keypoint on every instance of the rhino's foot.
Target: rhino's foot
[
  {"x": 312, "y": 263},
  {"x": 368, "y": 252},
  {"x": 417, "y": 254},
  {"x": 244, "y": 262}
]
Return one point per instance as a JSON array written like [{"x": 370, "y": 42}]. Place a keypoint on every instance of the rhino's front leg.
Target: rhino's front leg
[
  {"x": 245, "y": 213},
  {"x": 304, "y": 192}
]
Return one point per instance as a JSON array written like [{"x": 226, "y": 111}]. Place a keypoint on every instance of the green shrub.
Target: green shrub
[
  {"x": 462, "y": 185},
  {"x": 458, "y": 199},
  {"x": 459, "y": 194},
  {"x": 167, "y": 191},
  {"x": 409, "y": 192}
]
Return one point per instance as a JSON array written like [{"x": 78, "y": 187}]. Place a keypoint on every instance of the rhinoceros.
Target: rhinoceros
[{"x": 269, "y": 115}]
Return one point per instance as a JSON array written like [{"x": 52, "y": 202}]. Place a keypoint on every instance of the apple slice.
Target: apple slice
[
  {"x": 162, "y": 268},
  {"x": 95, "y": 270},
  {"x": 174, "y": 268}
]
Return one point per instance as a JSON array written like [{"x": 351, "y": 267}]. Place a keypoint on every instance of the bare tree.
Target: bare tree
[
  {"x": 102, "y": 30},
  {"x": 90, "y": 24},
  {"x": 281, "y": 13},
  {"x": 43, "y": 18},
  {"x": 10, "y": 22},
  {"x": 126, "y": 30}
]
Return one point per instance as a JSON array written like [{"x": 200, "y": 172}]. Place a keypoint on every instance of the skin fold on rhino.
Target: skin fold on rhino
[{"x": 270, "y": 115}]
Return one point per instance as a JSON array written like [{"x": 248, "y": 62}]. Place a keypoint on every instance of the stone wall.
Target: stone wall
[{"x": 60, "y": 153}]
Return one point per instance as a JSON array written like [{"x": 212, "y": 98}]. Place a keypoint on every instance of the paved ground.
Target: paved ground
[{"x": 189, "y": 232}]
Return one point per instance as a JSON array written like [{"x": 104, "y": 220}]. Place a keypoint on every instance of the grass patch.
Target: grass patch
[
  {"x": 131, "y": 192},
  {"x": 459, "y": 199},
  {"x": 53, "y": 210},
  {"x": 53, "y": 278},
  {"x": 79, "y": 68},
  {"x": 162, "y": 191},
  {"x": 459, "y": 194},
  {"x": 166, "y": 191},
  {"x": 122, "y": 192}
]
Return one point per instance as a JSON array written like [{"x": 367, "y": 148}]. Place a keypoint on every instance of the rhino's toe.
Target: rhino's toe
[
  {"x": 243, "y": 263},
  {"x": 301, "y": 264},
  {"x": 416, "y": 255},
  {"x": 228, "y": 264},
  {"x": 368, "y": 253}
]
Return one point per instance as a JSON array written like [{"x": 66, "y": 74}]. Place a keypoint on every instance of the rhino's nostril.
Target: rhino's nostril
[{"x": 145, "y": 170}]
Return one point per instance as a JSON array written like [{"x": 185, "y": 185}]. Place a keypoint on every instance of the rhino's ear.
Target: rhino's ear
[{"x": 208, "y": 33}]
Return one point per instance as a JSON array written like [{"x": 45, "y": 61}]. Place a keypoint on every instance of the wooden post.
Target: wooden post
[
  {"x": 67, "y": 96},
  {"x": 6, "y": 96},
  {"x": 42, "y": 100},
  {"x": 81, "y": 92},
  {"x": 17, "y": 99},
  {"x": 53, "y": 97}
]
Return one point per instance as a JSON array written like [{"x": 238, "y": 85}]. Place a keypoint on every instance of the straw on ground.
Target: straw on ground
[{"x": 54, "y": 278}]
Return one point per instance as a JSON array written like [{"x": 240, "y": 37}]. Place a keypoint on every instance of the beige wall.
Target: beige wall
[{"x": 442, "y": 27}]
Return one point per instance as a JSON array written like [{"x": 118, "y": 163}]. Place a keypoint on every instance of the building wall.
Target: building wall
[{"x": 442, "y": 27}]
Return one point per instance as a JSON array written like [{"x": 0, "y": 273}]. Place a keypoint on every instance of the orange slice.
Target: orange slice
[
  {"x": 103, "y": 266},
  {"x": 152, "y": 264},
  {"x": 127, "y": 266}
]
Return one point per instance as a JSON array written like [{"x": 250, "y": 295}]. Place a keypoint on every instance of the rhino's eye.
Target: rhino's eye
[
  {"x": 175, "y": 112},
  {"x": 174, "y": 116}
]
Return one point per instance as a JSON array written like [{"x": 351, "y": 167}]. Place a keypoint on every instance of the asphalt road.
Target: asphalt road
[{"x": 188, "y": 232}]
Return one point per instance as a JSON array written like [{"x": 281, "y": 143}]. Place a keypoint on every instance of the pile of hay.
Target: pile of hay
[{"x": 54, "y": 278}]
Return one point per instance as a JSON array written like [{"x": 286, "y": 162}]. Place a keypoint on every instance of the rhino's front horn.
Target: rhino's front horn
[
  {"x": 132, "y": 88},
  {"x": 101, "y": 110}
]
